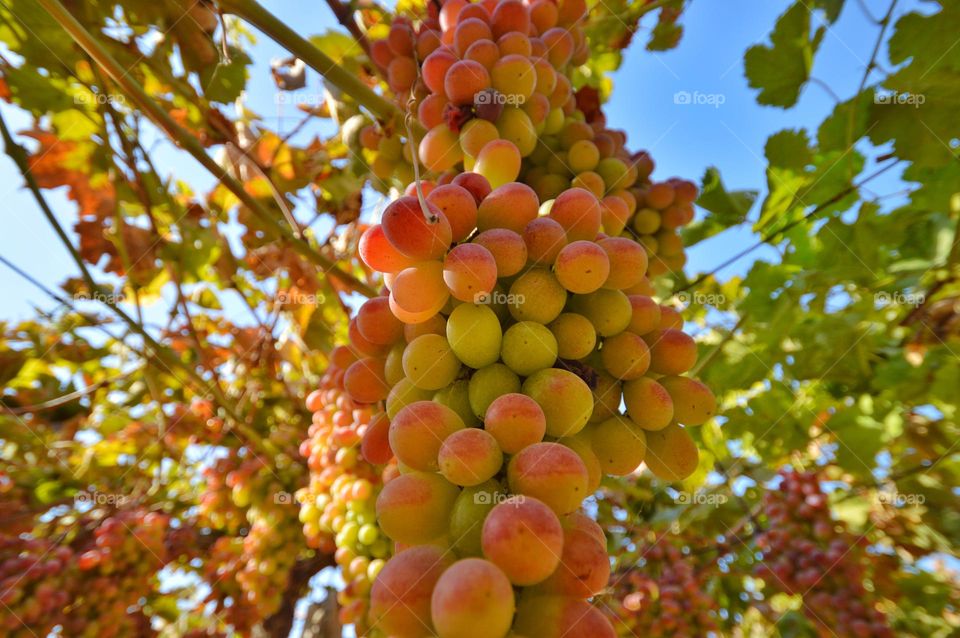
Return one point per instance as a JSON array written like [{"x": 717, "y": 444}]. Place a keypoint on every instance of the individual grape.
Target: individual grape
[
  {"x": 591, "y": 182},
  {"x": 583, "y": 156},
  {"x": 474, "y": 334},
  {"x": 402, "y": 394},
  {"x": 550, "y": 472},
  {"x": 475, "y": 10},
  {"x": 456, "y": 396},
  {"x": 421, "y": 289},
  {"x": 648, "y": 403},
  {"x": 660, "y": 195},
  {"x": 527, "y": 347},
  {"x": 584, "y": 568},
  {"x": 537, "y": 109},
  {"x": 450, "y": 13},
  {"x": 561, "y": 617},
  {"x": 469, "y": 511},
  {"x": 575, "y": 335},
  {"x": 669, "y": 244},
  {"x": 476, "y": 184},
  {"x": 415, "y": 508},
  {"x": 515, "y": 421},
  {"x": 431, "y": 109},
  {"x": 470, "y": 457},
  {"x": 670, "y": 318},
  {"x": 514, "y": 76},
  {"x": 559, "y": 45},
  {"x": 582, "y": 267},
  {"x": 464, "y": 80},
  {"x": 375, "y": 445},
  {"x": 543, "y": 14},
  {"x": 646, "y": 221},
  {"x": 565, "y": 398},
  {"x": 514, "y": 43},
  {"x": 401, "y": 39},
  {"x": 606, "y": 397},
  {"x": 499, "y": 162},
  {"x": 625, "y": 356},
  {"x": 361, "y": 345},
  {"x": 364, "y": 381},
  {"x": 490, "y": 382},
  {"x": 458, "y": 206},
  {"x": 381, "y": 53},
  {"x": 439, "y": 149},
  {"x": 619, "y": 444},
  {"x": 536, "y": 296},
  {"x": 469, "y": 31},
  {"x": 515, "y": 125},
  {"x": 418, "y": 431},
  {"x": 672, "y": 352},
  {"x": 511, "y": 206},
  {"x": 582, "y": 445},
  {"x": 412, "y": 234},
  {"x": 608, "y": 310},
  {"x": 430, "y": 363},
  {"x": 672, "y": 454},
  {"x": 614, "y": 214},
  {"x": 435, "y": 67},
  {"x": 645, "y": 317},
  {"x": 378, "y": 253},
  {"x": 578, "y": 211},
  {"x": 470, "y": 272},
  {"x": 507, "y": 247},
  {"x": 401, "y": 74},
  {"x": 628, "y": 262},
  {"x": 546, "y": 78},
  {"x": 376, "y": 323},
  {"x": 400, "y": 596},
  {"x": 510, "y": 15},
  {"x": 524, "y": 538},
  {"x": 472, "y": 599},
  {"x": 486, "y": 52},
  {"x": 545, "y": 238},
  {"x": 693, "y": 402},
  {"x": 393, "y": 366},
  {"x": 474, "y": 135}
]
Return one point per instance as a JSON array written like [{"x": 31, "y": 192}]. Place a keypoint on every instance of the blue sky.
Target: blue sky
[{"x": 684, "y": 138}]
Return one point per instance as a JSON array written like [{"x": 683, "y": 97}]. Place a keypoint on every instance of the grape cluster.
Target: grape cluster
[
  {"x": 92, "y": 585},
  {"x": 337, "y": 507},
  {"x": 806, "y": 552},
  {"x": 664, "y": 595},
  {"x": 249, "y": 566}
]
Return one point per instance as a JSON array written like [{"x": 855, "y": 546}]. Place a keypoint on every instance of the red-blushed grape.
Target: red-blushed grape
[
  {"x": 515, "y": 421},
  {"x": 550, "y": 472},
  {"x": 472, "y": 599},
  {"x": 418, "y": 431},
  {"x": 524, "y": 538},
  {"x": 415, "y": 508},
  {"x": 648, "y": 403},
  {"x": 410, "y": 231}
]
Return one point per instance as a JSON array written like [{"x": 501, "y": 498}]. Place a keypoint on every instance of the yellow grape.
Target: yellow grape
[
  {"x": 672, "y": 454},
  {"x": 606, "y": 397},
  {"x": 537, "y": 296},
  {"x": 693, "y": 402},
  {"x": 490, "y": 382},
  {"x": 628, "y": 262},
  {"x": 515, "y": 126},
  {"x": 619, "y": 444},
  {"x": 527, "y": 347},
  {"x": 625, "y": 356},
  {"x": 576, "y": 337},
  {"x": 418, "y": 431},
  {"x": 456, "y": 396},
  {"x": 469, "y": 511},
  {"x": 430, "y": 363},
  {"x": 565, "y": 398},
  {"x": 608, "y": 310},
  {"x": 582, "y": 267},
  {"x": 582, "y": 445},
  {"x": 648, "y": 403},
  {"x": 550, "y": 472},
  {"x": 475, "y": 134},
  {"x": 472, "y": 599},
  {"x": 499, "y": 162},
  {"x": 646, "y": 221},
  {"x": 474, "y": 333},
  {"x": 440, "y": 149},
  {"x": 415, "y": 508},
  {"x": 403, "y": 394},
  {"x": 515, "y": 77},
  {"x": 583, "y": 156},
  {"x": 400, "y": 596}
]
